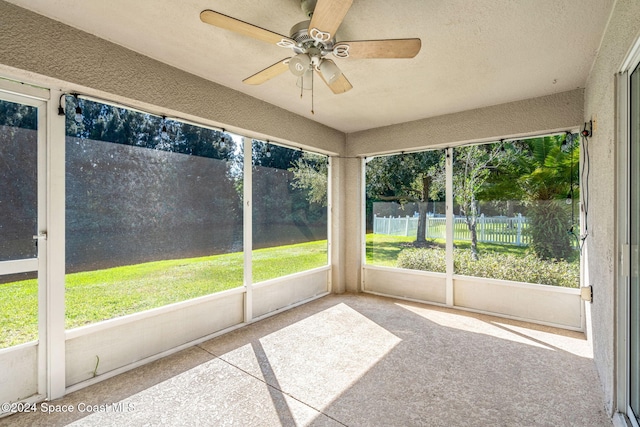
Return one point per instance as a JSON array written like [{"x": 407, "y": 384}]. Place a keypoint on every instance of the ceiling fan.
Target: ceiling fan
[{"x": 312, "y": 41}]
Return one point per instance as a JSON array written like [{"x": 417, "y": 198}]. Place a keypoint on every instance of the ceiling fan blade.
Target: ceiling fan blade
[
  {"x": 268, "y": 73},
  {"x": 327, "y": 17},
  {"x": 232, "y": 24},
  {"x": 392, "y": 48},
  {"x": 341, "y": 85}
]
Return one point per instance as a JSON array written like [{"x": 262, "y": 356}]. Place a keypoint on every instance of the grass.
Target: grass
[
  {"x": 93, "y": 296},
  {"x": 383, "y": 250},
  {"x": 270, "y": 263}
]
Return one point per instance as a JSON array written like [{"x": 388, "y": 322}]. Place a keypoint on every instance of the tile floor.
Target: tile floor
[{"x": 354, "y": 360}]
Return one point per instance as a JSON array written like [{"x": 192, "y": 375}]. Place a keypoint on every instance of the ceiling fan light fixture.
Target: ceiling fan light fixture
[
  {"x": 330, "y": 71},
  {"x": 300, "y": 64}
]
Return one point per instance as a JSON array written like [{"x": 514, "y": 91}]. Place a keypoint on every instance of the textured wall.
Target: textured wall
[
  {"x": 554, "y": 112},
  {"x": 600, "y": 98},
  {"x": 352, "y": 223},
  {"x": 69, "y": 57},
  {"x": 337, "y": 206}
]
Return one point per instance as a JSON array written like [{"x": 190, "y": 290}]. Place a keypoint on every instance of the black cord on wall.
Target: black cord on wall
[
  {"x": 568, "y": 145},
  {"x": 584, "y": 177}
]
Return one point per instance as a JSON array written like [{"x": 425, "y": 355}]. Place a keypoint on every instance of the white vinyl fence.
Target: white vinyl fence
[{"x": 497, "y": 229}]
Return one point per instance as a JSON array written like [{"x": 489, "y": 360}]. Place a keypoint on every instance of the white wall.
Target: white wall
[
  {"x": 273, "y": 295},
  {"x": 547, "y": 305},
  {"x": 17, "y": 377},
  {"x": 103, "y": 347},
  {"x": 600, "y": 98}
]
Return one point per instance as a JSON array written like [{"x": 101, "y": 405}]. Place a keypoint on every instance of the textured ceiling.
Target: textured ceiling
[{"x": 474, "y": 53}]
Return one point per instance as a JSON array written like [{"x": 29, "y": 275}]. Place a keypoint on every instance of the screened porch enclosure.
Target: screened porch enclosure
[
  {"x": 177, "y": 232},
  {"x": 458, "y": 220}
]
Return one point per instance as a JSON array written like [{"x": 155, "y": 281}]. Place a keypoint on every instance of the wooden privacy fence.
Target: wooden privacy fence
[{"x": 496, "y": 229}]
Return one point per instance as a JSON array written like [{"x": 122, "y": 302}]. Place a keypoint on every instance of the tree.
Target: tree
[
  {"x": 551, "y": 177},
  {"x": 407, "y": 178},
  {"x": 274, "y": 200},
  {"x": 289, "y": 193},
  {"x": 102, "y": 122},
  {"x": 310, "y": 173},
  {"x": 14, "y": 115},
  {"x": 542, "y": 173},
  {"x": 471, "y": 169}
]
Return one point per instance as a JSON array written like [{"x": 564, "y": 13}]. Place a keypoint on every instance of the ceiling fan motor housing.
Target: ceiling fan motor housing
[{"x": 304, "y": 42}]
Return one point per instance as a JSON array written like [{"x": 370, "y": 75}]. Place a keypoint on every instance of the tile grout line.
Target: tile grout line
[{"x": 272, "y": 386}]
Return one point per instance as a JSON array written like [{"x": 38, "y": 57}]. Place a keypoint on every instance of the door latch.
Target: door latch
[{"x": 40, "y": 236}]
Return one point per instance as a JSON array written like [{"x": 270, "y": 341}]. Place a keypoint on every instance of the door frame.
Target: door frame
[
  {"x": 623, "y": 188},
  {"x": 38, "y": 98}
]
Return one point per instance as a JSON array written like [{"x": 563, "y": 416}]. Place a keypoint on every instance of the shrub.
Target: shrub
[
  {"x": 549, "y": 222},
  {"x": 494, "y": 265},
  {"x": 423, "y": 259}
]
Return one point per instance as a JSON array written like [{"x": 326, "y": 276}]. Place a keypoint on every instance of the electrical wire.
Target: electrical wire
[
  {"x": 584, "y": 187},
  {"x": 569, "y": 143},
  {"x": 312, "y": 112}
]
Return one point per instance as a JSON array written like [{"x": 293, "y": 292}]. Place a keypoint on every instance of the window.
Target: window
[
  {"x": 18, "y": 222},
  {"x": 406, "y": 211},
  {"x": 516, "y": 210},
  {"x": 153, "y": 212},
  {"x": 289, "y": 210}
]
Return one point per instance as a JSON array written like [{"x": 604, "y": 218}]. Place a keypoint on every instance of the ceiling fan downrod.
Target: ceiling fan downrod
[{"x": 308, "y": 6}]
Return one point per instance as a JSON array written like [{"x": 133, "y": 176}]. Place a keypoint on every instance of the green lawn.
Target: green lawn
[
  {"x": 98, "y": 295},
  {"x": 383, "y": 250}
]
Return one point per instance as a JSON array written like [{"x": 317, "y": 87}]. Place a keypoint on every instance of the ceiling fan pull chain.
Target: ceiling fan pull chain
[{"x": 312, "y": 112}]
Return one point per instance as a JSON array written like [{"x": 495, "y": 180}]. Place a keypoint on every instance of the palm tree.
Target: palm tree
[{"x": 550, "y": 178}]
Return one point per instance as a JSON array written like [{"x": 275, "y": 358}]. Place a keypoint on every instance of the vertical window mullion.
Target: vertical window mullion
[
  {"x": 56, "y": 202},
  {"x": 449, "y": 225},
  {"x": 247, "y": 208}
]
